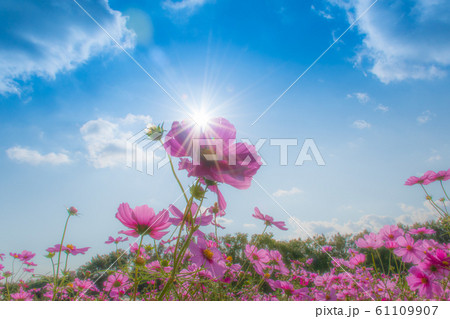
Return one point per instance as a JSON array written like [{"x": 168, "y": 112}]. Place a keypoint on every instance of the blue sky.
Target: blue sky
[{"x": 376, "y": 105}]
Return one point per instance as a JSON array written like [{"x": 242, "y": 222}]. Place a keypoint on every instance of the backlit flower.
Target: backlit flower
[
  {"x": 213, "y": 153},
  {"x": 268, "y": 220},
  {"x": 143, "y": 221}
]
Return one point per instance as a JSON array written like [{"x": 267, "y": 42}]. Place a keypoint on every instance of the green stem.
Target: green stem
[
  {"x": 55, "y": 281},
  {"x": 436, "y": 207},
  {"x": 179, "y": 257},
  {"x": 136, "y": 269},
  {"x": 175, "y": 174},
  {"x": 442, "y": 185}
]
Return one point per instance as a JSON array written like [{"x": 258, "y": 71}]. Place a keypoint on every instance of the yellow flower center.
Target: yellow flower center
[
  {"x": 70, "y": 246},
  {"x": 208, "y": 254}
]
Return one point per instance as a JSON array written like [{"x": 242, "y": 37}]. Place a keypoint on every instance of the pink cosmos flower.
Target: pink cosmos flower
[
  {"x": 23, "y": 256},
  {"x": 69, "y": 249},
  {"x": 209, "y": 257},
  {"x": 217, "y": 224},
  {"x": 202, "y": 219},
  {"x": 425, "y": 284},
  {"x": 410, "y": 251},
  {"x": 390, "y": 232},
  {"x": 258, "y": 257},
  {"x": 437, "y": 262},
  {"x": 288, "y": 288},
  {"x": 390, "y": 244},
  {"x": 327, "y": 248},
  {"x": 421, "y": 231},
  {"x": 2, "y": 256},
  {"x": 357, "y": 260},
  {"x": 134, "y": 248},
  {"x": 439, "y": 176},
  {"x": 219, "y": 207},
  {"x": 268, "y": 220},
  {"x": 115, "y": 240},
  {"x": 117, "y": 284},
  {"x": 28, "y": 270},
  {"x": 220, "y": 160},
  {"x": 30, "y": 263},
  {"x": 276, "y": 258},
  {"x": 371, "y": 240},
  {"x": 424, "y": 179},
  {"x": 143, "y": 221},
  {"x": 22, "y": 295},
  {"x": 84, "y": 285}
]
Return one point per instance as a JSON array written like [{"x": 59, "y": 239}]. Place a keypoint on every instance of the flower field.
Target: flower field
[{"x": 166, "y": 255}]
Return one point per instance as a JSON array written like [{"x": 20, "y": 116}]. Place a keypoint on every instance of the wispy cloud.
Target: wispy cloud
[
  {"x": 187, "y": 5},
  {"x": 382, "y": 108},
  {"x": 106, "y": 139},
  {"x": 361, "y": 124},
  {"x": 424, "y": 117},
  {"x": 249, "y": 225},
  {"x": 370, "y": 222},
  {"x": 322, "y": 13},
  {"x": 33, "y": 157},
  {"x": 362, "y": 98},
  {"x": 434, "y": 158},
  {"x": 393, "y": 54},
  {"x": 224, "y": 221},
  {"x": 46, "y": 39},
  {"x": 292, "y": 191}
]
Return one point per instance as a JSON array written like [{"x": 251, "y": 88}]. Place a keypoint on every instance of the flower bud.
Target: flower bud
[
  {"x": 197, "y": 192},
  {"x": 72, "y": 210},
  {"x": 154, "y": 132},
  {"x": 140, "y": 261}
]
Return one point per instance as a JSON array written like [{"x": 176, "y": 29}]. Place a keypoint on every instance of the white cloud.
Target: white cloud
[
  {"x": 362, "y": 98},
  {"x": 188, "y": 5},
  {"x": 361, "y": 124},
  {"x": 224, "y": 221},
  {"x": 282, "y": 192},
  {"x": 402, "y": 40},
  {"x": 29, "y": 156},
  {"x": 106, "y": 139},
  {"x": 434, "y": 158},
  {"x": 382, "y": 108},
  {"x": 322, "y": 13},
  {"x": 424, "y": 117},
  {"x": 249, "y": 225},
  {"x": 372, "y": 223},
  {"x": 53, "y": 36}
]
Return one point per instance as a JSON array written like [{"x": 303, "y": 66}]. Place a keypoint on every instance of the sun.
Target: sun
[{"x": 201, "y": 118}]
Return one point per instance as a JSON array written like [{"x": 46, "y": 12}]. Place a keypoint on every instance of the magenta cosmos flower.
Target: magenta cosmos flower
[
  {"x": 69, "y": 249},
  {"x": 22, "y": 296},
  {"x": 143, "y": 221},
  {"x": 371, "y": 240},
  {"x": 219, "y": 159},
  {"x": 117, "y": 284},
  {"x": 421, "y": 231},
  {"x": 115, "y": 240},
  {"x": 424, "y": 179},
  {"x": 410, "y": 251},
  {"x": 206, "y": 256},
  {"x": 259, "y": 258},
  {"x": 23, "y": 256},
  {"x": 268, "y": 220},
  {"x": 426, "y": 285},
  {"x": 440, "y": 176},
  {"x": 201, "y": 220}
]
